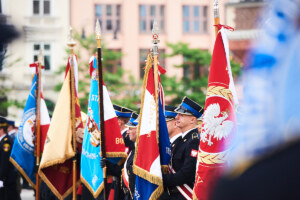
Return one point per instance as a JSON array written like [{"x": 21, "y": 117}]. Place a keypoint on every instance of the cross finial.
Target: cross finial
[
  {"x": 71, "y": 42},
  {"x": 40, "y": 57}
]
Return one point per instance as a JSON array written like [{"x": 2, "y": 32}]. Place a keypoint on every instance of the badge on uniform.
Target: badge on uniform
[
  {"x": 6, "y": 147},
  {"x": 194, "y": 153}
]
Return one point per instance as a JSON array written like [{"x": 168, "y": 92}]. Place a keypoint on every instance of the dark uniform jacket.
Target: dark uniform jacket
[
  {"x": 274, "y": 177},
  {"x": 128, "y": 143},
  {"x": 116, "y": 170},
  {"x": 7, "y": 172},
  {"x": 183, "y": 161}
]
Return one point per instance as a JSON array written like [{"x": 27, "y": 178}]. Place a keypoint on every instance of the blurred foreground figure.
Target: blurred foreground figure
[{"x": 265, "y": 162}]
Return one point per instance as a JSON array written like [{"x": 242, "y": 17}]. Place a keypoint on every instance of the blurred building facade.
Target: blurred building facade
[
  {"x": 43, "y": 24},
  {"x": 126, "y": 27},
  {"x": 243, "y": 15}
]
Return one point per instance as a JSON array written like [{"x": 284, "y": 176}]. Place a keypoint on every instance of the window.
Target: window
[
  {"x": 0, "y": 6},
  {"x": 149, "y": 13},
  {"x": 194, "y": 19},
  {"x": 46, "y": 50},
  {"x": 109, "y": 16},
  {"x": 41, "y": 7},
  {"x": 143, "y": 58}
]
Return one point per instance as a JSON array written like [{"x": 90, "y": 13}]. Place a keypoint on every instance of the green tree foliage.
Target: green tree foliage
[
  {"x": 196, "y": 70},
  {"x": 113, "y": 73}
]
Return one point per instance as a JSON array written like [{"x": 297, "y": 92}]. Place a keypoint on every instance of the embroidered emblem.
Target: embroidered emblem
[
  {"x": 194, "y": 153},
  {"x": 6, "y": 147},
  {"x": 215, "y": 125}
]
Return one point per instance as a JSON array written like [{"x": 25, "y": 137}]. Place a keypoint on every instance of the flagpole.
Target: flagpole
[
  {"x": 38, "y": 124},
  {"x": 71, "y": 45},
  {"x": 101, "y": 108},
  {"x": 216, "y": 16},
  {"x": 155, "y": 41}
]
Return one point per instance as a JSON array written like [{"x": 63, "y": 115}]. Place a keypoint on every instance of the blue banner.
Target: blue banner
[
  {"x": 22, "y": 154},
  {"x": 91, "y": 171}
]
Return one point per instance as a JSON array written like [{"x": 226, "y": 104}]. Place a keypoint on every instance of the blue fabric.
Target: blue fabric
[
  {"x": 195, "y": 112},
  {"x": 170, "y": 114},
  {"x": 23, "y": 148},
  {"x": 120, "y": 114},
  {"x": 164, "y": 140},
  {"x": 271, "y": 111},
  {"x": 91, "y": 170},
  {"x": 143, "y": 189},
  {"x": 132, "y": 120}
]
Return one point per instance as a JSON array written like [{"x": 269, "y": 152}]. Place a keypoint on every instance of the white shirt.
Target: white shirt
[
  {"x": 175, "y": 137},
  {"x": 2, "y": 137},
  {"x": 12, "y": 132},
  {"x": 124, "y": 130},
  {"x": 184, "y": 134}
]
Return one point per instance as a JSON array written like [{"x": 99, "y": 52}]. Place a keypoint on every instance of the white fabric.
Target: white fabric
[
  {"x": 109, "y": 111},
  {"x": 231, "y": 83},
  {"x": 12, "y": 132},
  {"x": 1, "y": 184}
]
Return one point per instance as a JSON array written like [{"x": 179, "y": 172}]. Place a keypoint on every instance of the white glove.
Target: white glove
[{"x": 1, "y": 184}]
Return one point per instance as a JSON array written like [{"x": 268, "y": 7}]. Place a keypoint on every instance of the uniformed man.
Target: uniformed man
[
  {"x": 180, "y": 181},
  {"x": 126, "y": 172},
  {"x": 124, "y": 115},
  {"x": 8, "y": 184},
  {"x": 11, "y": 130},
  {"x": 175, "y": 136}
]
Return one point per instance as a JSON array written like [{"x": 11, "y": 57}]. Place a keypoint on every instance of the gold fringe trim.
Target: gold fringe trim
[
  {"x": 98, "y": 191},
  {"x": 57, "y": 161},
  {"x": 165, "y": 169},
  {"x": 116, "y": 154},
  {"x": 156, "y": 194},
  {"x": 53, "y": 189},
  {"x": 211, "y": 159},
  {"x": 20, "y": 169},
  {"x": 147, "y": 176}
]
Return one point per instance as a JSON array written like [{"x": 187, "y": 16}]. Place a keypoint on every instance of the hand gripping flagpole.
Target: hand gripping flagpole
[
  {"x": 101, "y": 108},
  {"x": 216, "y": 16},
  {"x": 71, "y": 44},
  {"x": 155, "y": 41},
  {"x": 38, "y": 124}
]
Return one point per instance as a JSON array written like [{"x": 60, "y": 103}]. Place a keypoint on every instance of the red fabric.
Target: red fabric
[
  {"x": 111, "y": 194},
  {"x": 79, "y": 190},
  {"x": 207, "y": 173}
]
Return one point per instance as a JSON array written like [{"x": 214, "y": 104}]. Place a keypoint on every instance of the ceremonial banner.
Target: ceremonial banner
[
  {"x": 91, "y": 171},
  {"x": 22, "y": 155},
  {"x": 56, "y": 163},
  {"x": 148, "y": 184},
  {"x": 219, "y": 124}
]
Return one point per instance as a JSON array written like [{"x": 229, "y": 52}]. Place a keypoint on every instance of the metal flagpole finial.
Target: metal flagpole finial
[
  {"x": 40, "y": 57},
  {"x": 216, "y": 9},
  {"x": 155, "y": 36},
  {"x": 71, "y": 42},
  {"x": 98, "y": 30}
]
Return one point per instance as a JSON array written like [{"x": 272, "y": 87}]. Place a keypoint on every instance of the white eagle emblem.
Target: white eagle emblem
[{"x": 215, "y": 126}]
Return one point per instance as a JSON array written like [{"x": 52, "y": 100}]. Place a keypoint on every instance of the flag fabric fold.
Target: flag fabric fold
[
  {"x": 91, "y": 171},
  {"x": 148, "y": 184},
  {"x": 56, "y": 163},
  {"x": 22, "y": 155},
  {"x": 219, "y": 126}
]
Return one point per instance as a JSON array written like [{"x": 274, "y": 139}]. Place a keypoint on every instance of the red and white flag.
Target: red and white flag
[{"x": 219, "y": 124}]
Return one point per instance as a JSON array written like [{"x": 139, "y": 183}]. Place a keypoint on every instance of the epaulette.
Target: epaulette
[{"x": 195, "y": 136}]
